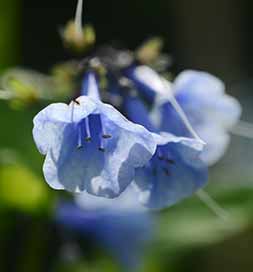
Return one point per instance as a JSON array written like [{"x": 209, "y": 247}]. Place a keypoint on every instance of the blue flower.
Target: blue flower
[
  {"x": 119, "y": 225},
  {"x": 209, "y": 109},
  {"x": 202, "y": 98},
  {"x": 174, "y": 172},
  {"x": 90, "y": 146}
]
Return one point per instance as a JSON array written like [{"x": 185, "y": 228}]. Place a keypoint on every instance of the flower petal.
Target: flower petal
[
  {"x": 184, "y": 176},
  {"x": 127, "y": 201},
  {"x": 50, "y": 123},
  {"x": 99, "y": 173}
]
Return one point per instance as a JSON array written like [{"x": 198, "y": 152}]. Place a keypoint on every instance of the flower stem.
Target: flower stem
[
  {"x": 243, "y": 129},
  {"x": 212, "y": 205},
  {"x": 78, "y": 18}
]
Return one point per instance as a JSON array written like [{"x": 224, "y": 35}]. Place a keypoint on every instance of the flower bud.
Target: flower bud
[{"x": 78, "y": 42}]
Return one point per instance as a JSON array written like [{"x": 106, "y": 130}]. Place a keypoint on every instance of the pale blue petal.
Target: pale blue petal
[
  {"x": 217, "y": 143},
  {"x": 49, "y": 123},
  {"x": 200, "y": 84},
  {"x": 201, "y": 94},
  {"x": 125, "y": 202},
  {"x": 162, "y": 185},
  {"x": 99, "y": 173}
]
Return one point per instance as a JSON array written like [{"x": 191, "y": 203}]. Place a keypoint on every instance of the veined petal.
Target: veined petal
[
  {"x": 130, "y": 147},
  {"x": 210, "y": 111},
  {"x": 103, "y": 166},
  {"x": 50, "y": 123},
  {"x": 163, "y": 183},
  {"x": 110, "y": 114},
  {"x": 201, "y": 84},
  {"x": 218, "y": 142}
]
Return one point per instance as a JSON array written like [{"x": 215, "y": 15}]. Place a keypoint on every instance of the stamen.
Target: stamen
[
  {"x": 243, "y": 129},
  {"x": 170, "y": 161},
  {"x": 184, "y": 118},
  {"x": 182, "y": 115},
  {"x": 213, "y": 205},
  {"x": 104, "y": 134},
  {"x": 102, "y": 149},
  {"x": 79, "y": 145},
  {"x": 166, "y": 171},
  {"x": 77, "y": 102},
  {"x": 107, "y": 136},
  {"x": 72, "y": 104},
  {"x": 87, "y": 130},
  {"x": 78, "y": 19}
]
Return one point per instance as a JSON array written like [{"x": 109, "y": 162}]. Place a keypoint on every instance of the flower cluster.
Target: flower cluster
[{"x": 130, "y": 127}]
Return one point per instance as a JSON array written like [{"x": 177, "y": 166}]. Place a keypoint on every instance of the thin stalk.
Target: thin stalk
[{"x": 78, "y": 18}]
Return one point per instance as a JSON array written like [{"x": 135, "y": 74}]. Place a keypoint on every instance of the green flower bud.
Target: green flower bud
[
  {"x": 149, "y": 51},
  {"x": 79, "y": 43}
]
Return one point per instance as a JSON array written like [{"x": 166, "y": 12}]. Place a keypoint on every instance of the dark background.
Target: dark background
[{"x": 214, "y": 35}]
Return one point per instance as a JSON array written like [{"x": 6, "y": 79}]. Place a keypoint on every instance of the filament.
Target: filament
[
  {"x": 213, "y": 205},
  {"x": 72, "y": 105},
  {"x": 243, "y": 129},
  {"x": 87, "y": 130},
  {"x": 79, "y": 137},
  {"x": 181, "y": 113},
  {"x": 184, "y": 118},
  {"x": 78, "y": 18}
]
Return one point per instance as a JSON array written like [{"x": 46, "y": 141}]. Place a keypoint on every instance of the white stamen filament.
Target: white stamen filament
[
  {"x": 87, "y": 129},
  {"x": 78, "y": 18},
  {"x": 72, "y": 105},
  {"x": 213, "y": 205},
  {"x": 243, "y": 129},
  {"x": 79, "y": 137},
  {"x": 184, "y": 118},
  {"x": 179, "y": 110}
]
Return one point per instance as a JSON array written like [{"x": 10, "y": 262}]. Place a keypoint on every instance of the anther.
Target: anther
[
  {"x": 88, "y": 139},
  {"x": 87, "y": 130},
  {"x": 79, "y": 145},
  {"x": 101, "y": 149},
  {"x": 166, "y": 171},
  {"x": 76, "y": 101},
  {"x": 170, "y": 161},
  {"x": 107, "y": 136}
]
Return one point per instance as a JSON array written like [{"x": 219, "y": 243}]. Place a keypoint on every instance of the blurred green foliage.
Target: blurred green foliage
[{"x": 9, "y": 32}]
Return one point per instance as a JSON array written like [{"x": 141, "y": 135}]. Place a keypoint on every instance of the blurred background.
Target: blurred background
[{"x": 210, "y": 35}]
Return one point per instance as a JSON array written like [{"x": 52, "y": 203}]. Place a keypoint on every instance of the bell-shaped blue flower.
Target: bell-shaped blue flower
[
  {"x": 89, "y": 145},
  {"x": 174, "y": 172},
  {"x": 208, "y": 112},
  {"x": 211, "y": 112}
]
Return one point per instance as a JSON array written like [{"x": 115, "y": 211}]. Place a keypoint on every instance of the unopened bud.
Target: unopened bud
[
  {"x": 150, "y": 50},
  {"x": 77, "y": 41}
]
